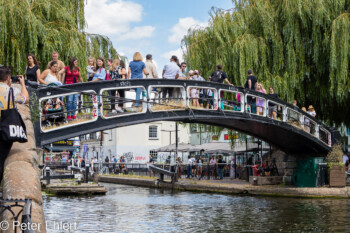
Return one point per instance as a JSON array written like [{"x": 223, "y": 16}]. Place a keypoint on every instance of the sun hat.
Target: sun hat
[
  {"x": 196, "y": 71},
  {"x": 310, "y": 107},
  {"x": 191, "y": 72}
]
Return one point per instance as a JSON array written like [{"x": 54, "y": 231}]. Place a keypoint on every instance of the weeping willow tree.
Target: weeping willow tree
[
  {"x": 43, "y": 26},
  {"x": 300, "y": 47}
]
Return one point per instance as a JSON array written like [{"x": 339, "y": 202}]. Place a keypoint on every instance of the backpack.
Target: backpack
[
  {"x": 246, "y": 85},
  {"x": 216, "y": 77}
]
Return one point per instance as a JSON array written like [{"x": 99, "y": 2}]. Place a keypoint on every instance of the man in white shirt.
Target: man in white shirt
[
  {"x": 170, "y": 71},
  {"x": 150, "y": 67},
  {"x": 190, "y": 163}
]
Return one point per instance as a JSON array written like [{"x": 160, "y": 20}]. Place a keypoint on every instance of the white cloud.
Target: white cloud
[
  {"x": 114, "y": 19},
  {"x": 139, "y": 32},
  {"x": 180, "y": 29},
  {"x": 178, "y": 52}
]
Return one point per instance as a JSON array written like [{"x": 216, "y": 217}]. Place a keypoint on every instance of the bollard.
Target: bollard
[
  {"x": 47, "y": 175},
  {"x": 87, "y": 173}
]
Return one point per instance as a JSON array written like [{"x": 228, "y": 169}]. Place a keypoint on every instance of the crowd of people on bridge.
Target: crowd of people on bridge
[
  {"x": 99, "y": 69},
  {"x": 56, "y": 73}
]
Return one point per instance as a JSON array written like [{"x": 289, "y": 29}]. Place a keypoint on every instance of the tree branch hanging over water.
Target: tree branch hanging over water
[
  {"x": 300, "y": 47},
  {"x": 43, "y": 26}
]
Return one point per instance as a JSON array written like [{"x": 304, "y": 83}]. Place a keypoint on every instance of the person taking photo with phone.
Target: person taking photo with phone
[{"x": 21, "y": 97}]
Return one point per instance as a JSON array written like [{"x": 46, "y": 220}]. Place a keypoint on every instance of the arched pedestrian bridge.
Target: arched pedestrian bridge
[{"x": 293, "y": 130}]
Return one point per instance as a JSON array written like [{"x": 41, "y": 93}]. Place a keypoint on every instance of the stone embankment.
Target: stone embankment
[
  {"x": 22, "y": 175},
  {"x": 235, "y": 187}
]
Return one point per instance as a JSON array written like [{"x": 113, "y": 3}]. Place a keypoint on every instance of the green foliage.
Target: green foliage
[
  {"x": 336, "y": 166},
  {"x": 34, "y": 107},
  {"x": 43, "y": 26},
  {"x": 335, "y": 155},
  {"x": 299, "y": 47}
]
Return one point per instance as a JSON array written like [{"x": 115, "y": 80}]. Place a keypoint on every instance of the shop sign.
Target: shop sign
[{"x": 64, "y": 143}]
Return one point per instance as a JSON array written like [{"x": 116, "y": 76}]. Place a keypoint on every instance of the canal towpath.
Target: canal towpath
[{"x": 234, "y": 187}]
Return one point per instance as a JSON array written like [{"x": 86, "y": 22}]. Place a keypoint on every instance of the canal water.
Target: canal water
[{"x": 136, "y": 209}]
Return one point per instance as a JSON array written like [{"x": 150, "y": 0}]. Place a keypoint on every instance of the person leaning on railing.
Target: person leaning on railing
[
  {"x": 150, "y": 67},
  {"x": 272, "y": 107},
  {"x": 198, "y": 77},
  {"x": 117, "y": 71},
  {"x": 170, "y": 71},
  {"x": 21, "y": 97},
  {"x": 136, "y": 70},
  {"x": 50, "y": 75},
  {"x": 219, "y": 76},
  {"x": 71, "y": 75},
  {"x": 259, "y": 101}
]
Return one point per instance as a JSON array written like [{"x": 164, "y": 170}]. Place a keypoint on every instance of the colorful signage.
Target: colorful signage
[{"x": 64, "y": 143}]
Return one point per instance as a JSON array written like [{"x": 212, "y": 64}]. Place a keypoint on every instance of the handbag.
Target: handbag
[
  {"x": 108, "y": 77},
  {"x": 12, "y": 127}
]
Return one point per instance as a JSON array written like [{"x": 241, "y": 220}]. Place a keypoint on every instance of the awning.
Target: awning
[
  {"x": 182, "y": 147},
  {"x": 211, "y": 148},
  {"x": 61, "y": 148}
]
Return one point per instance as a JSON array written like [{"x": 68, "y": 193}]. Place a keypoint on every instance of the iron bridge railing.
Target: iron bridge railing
[
  {"x": 16, "y": 208},
  {"x": 99, "y": 101}
]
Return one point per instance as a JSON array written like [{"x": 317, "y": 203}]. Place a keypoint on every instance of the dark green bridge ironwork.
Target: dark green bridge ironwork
[{"x": 293, "y": 131}]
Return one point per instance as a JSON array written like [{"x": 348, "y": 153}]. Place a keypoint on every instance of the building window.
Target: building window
[
  {"x": 154, "y": 155},
  {"x": 153, "y": 132},
  {"x": 193, "y": 129}
]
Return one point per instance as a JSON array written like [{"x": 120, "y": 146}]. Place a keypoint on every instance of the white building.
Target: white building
[{"x": 136, "y": 142}]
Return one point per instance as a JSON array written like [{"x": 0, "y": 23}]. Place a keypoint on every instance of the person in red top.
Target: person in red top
[{"x": 71, "y": 75}]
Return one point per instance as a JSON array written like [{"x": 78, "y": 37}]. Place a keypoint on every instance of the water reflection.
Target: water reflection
[{"x": 136, "y": 209}]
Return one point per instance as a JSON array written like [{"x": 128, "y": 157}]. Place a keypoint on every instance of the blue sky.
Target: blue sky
[{"x": 148, "y": 26}]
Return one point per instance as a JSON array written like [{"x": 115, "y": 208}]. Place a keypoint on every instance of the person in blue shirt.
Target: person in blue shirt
[
  {"x": 100, "y": 73},
  {"x": 136, "y": 68}
]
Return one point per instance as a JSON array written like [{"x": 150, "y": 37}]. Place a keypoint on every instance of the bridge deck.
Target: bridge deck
[{"x": 231, "y": 107}]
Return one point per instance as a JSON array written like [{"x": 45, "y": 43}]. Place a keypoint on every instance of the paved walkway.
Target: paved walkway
[{"x": 236, "y": 187}]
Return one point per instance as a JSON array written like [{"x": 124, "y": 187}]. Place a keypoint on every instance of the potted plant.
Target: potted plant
[{"x": 336, "y": 168}]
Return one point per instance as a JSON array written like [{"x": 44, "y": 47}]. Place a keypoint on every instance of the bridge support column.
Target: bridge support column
[
  {"x": 286, "y": 164},
  {"x": 22, "y": 175},
  {"x": 289, "y": 167}
]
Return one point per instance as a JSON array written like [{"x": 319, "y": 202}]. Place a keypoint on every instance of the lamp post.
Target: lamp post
[
  {"x": 101, "y": 142},
  {"x": 176, "y": 138}
]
